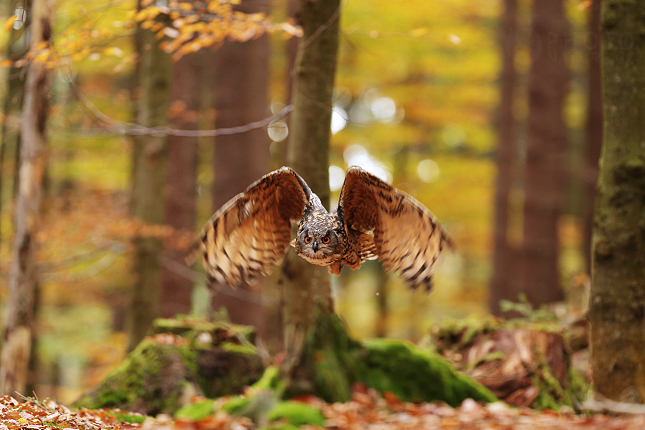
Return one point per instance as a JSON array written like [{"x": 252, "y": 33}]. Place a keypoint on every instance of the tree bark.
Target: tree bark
[
  {"x": 13, "y": 100},
  {"x": 181, "y": 181},
  {"x": 149, "y": 161},
  {"x": 617, "y": 305},
  {"x": 593, "y": 129},
  {"x": 241, "y": 97},
  {"x": 19, "y": 330},
  {"x": 503, "y": 256},
  {"x": 306, "y": 289},
  {"x": 545, "y": 180}
]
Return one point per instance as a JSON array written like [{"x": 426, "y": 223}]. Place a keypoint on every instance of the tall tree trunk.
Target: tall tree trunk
[
  {"x": 594, "y": 129},
  {"x": 19, "y": 330},
  {"x": 306, "y": 290},
  {"x": 545, "y": 180},
  {"x": 181, "y": 181},
  {"x": 149, "y": 159},
  {"x": 16, "y": 48},
  {"x": 241, "y": 97},
  {"x": 503, "y": 256},
  {"x": 617, "y": 305}
]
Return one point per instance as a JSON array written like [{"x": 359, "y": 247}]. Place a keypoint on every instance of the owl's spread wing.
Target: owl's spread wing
[
  {"x": 250, "y": 234},
  {"x": 407, "y": 237}
]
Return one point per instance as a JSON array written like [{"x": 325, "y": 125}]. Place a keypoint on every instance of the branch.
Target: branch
[{"x": 129, "y": 128}]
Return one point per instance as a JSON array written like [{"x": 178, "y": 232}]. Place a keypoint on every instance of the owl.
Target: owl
[{"x": 251, "y": 233}]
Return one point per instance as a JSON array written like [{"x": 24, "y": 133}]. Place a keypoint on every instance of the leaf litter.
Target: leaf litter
[{"x": 366, "y": 410}]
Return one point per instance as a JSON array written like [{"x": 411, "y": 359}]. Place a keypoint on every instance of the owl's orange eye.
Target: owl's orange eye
[
  {"x": 325, "y": 239},
  {"x": 307, "y": 239}
]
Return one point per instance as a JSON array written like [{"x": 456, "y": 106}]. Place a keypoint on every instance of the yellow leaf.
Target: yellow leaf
[
  {"x": 185, "y": 6},
  {"x": 6, "y": 63},
  {"x": 8, "y": 24}
]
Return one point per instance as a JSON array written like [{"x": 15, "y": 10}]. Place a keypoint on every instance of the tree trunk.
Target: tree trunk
[
  {"x": 545, "y": 180},
  {"x": 241, "y": 97},
  {"x": 503, "y": 260},
  {"x": 9, "y": 136},
  {"x": 181, "y": 181},
  {"x": 306, "y": 290},
  {"x": 19, "y": 329},
  {"x": 594, "y": 129},
  {"x": 149, "y": 159},
  {"x": 617, "y": 305}
]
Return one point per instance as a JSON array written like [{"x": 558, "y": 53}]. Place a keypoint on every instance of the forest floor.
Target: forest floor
[{"x": 365, "y": 411}]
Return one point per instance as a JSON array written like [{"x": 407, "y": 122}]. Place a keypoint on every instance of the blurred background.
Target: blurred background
[{"x": 426, "y": 96}]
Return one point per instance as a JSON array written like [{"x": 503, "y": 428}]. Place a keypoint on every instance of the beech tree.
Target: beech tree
[
  {"x": 241, "y": 85},
  {"x": 593, "y": 130},
  {"x": 19, "y": 329},
  {"x": 17, "y": 47},
  {"x": 545, "y": 176},
  {"x": 503, "y": 256},
  {"x": 306, "y": 289},
  {"x": 617, "y": 305},
  {"x": 149, "y": 163},
  {"x": 181, "y": 180}
]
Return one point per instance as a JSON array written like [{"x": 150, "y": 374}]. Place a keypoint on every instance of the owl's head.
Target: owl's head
[{"x": 316, "y": 243}]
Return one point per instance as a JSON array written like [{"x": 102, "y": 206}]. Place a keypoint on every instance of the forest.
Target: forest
[{"x": 126, "y": 124}]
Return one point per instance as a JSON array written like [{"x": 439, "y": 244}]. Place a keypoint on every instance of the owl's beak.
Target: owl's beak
[{"x": 315, "y": 246}]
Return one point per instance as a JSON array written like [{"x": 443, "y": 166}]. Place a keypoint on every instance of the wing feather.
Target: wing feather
[
  {"x": 250, "y": 234},
  {"x": 407, "y": 236}
]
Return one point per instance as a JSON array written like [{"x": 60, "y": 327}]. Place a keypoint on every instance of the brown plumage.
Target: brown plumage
[{"x": 251, "y": 233}]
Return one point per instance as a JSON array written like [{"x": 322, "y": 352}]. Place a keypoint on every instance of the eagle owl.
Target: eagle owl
[{"x": 251, "y": 233}]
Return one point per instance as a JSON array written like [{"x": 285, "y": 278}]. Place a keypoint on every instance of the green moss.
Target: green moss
[
  {"x": 495, "y": 355},
  {"x": 551, "y": 394},
  {"x": 271, "y": 379},
  {"x": 220, "y": 331},
  {"x": 239, "y": 349},
  {"x": 143, "y": 383},
  {"x": 129, "y": 418},
  {"x": 297, "y": 414},
  {"x": 196, "y": 411},
  {"x": 411, "y": 373},
  {"x": 416, "y": 375},
  {"x": 281, "y": 426},
  {"x": 235, "y": 404}
]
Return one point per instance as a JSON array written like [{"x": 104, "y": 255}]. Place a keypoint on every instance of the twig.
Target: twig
[{"x": 601, "y": 404}]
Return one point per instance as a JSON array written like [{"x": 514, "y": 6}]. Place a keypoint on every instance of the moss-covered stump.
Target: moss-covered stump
[
  {"x": 166, "y": 370},
  {"x": 335, "y": 362},
  {"x": 524, "y": 364}
]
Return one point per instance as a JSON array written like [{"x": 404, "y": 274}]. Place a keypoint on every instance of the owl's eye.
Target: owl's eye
[
  {"x": 307, "y": 239},
  {"x": 325, "y": 239}
]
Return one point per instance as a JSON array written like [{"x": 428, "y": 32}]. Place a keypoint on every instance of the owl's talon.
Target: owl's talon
[{"x": 334, "y": 268}]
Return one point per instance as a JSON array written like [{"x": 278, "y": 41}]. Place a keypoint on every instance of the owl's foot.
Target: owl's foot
[
  {"x": 355, "y": 266},
  {"x": 334, "y": 268}
]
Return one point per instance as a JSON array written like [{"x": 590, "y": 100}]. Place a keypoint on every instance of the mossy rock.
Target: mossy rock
[
  {"x": 410, "y": 373},
  {"x": 192, "y": 328},
  {"x": 155, "y": 378},
  {"x": 165, "y": 370},
  {"x": 525, "y": 363}
]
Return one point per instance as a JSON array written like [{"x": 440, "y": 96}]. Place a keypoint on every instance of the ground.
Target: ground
[{"x": 365, "y": 410}]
